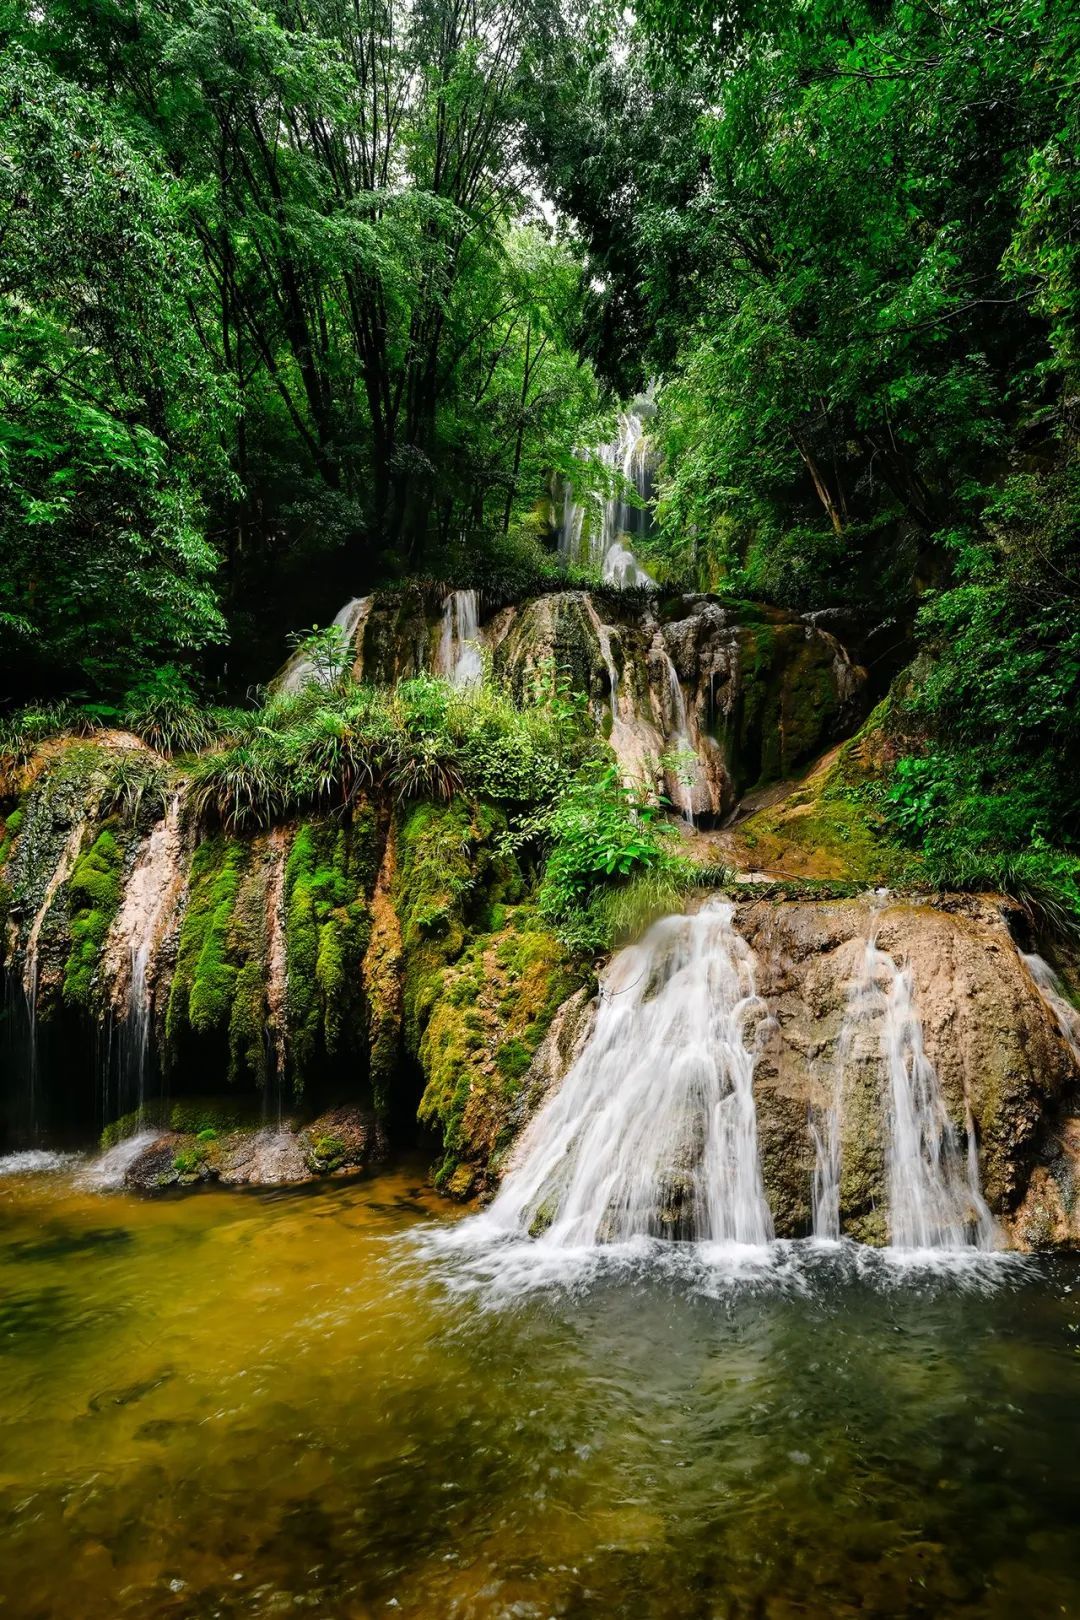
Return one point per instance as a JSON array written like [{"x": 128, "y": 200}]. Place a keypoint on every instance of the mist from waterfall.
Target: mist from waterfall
[
  {"x": 653, "y": 1133},
  {"x": 935, "y": 1200},
  {"x": 598, "y": 533}
]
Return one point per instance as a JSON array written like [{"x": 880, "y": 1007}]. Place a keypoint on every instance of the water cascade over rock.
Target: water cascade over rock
[
  {"x": 598, "y": 532},
  {"x": 653, "y": 1132},
  {"x": 934, "y": 1199},
  {"x": 458, "y": 655},
  {"x": 301, "y": 668},
  {"x": 754, "y": 1066}
]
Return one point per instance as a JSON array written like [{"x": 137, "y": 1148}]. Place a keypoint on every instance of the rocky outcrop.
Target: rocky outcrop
[
  {"x": 340, "y": 1142},
  {"x": 1005, "y": 1068},
  {"x": 999, "y": 1055},
  {"x": 699, "y": 697}
]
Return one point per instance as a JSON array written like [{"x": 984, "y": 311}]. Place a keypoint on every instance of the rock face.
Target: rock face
[
  {"x": 393, "y": 956},
  {"x": 699, "y": 697},
  {"x": 988, "y": 1032},
  {"x": 998, "y": 1050}
]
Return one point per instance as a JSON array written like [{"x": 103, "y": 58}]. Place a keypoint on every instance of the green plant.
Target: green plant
[
  {"x": 325, "y": 650},
  {"x": 603, "y": 833}
]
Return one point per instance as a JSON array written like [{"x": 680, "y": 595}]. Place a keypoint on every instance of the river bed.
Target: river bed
[{"x": 319, "y": 1402}]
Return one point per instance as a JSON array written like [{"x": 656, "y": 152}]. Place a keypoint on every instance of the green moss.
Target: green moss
[
  {"x": 831, "y": 829},
  {"x": 205, "y": 978},
  {"x": 93, "y": 899},
  {"x": 488, "y": 1013},
  {"x": 11, "y": 825},
  {"x": 329, "y": 872},
  {"x": 247, "y": 1023}
]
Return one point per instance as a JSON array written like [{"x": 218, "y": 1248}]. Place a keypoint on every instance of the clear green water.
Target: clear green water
[{"x": 275, "y": 1405}]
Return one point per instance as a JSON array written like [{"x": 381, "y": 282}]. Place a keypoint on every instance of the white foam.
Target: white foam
[{"x": 35, "y": 1162}]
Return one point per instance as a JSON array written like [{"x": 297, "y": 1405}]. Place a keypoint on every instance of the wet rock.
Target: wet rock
[
  {"x": 993, "y": 1041},
  {"x": 266, "y": 1158},
  {"x": 342, "y": 1139},
  {"x": 154, "y": 1167}
]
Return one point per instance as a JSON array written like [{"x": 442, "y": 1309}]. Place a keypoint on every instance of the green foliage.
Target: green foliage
[
  {"x": 93, "y": 899},
  {"x": 162, "y": 710},
  {"x": 603, "y": 834},
  {"x": 135, "y": 787},
  {"x": 106, "y": 396},
  {"x": 423, "y": 739},
  {"x": 324, "y": 650}
]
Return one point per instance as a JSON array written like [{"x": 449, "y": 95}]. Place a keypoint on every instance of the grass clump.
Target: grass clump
[{"x": 328, "y": 748}]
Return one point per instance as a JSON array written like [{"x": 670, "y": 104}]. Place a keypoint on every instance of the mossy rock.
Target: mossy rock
[
  {"x": 830, "y": 828},
  {"x": 94, "y": 891}
]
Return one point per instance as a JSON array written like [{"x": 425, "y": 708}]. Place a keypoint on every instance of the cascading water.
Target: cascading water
[
  {"x": 1052, "y": 991},
  {"x": 654, "y": 1130},
  {"x": 150, "y": 901},
  {"x": 934, "y": 1197},
  {"x": 458, "y": 656},
  {"x": 301, "y": 670},
  {"x": 681, "y": 743},
  {"x": 599, "y": 536}
]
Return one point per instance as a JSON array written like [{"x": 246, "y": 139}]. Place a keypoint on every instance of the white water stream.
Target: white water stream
[
  {"x": 653, "y": 1132},
  {"x": 301, "y": 670},
  {"x": 598, "y": 533},
  {"x": 459, "y": 656},
  {"x": 935, "y": 1201}
]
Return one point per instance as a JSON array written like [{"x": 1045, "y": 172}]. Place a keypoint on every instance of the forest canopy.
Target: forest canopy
[{"x": 301, "y": 297}]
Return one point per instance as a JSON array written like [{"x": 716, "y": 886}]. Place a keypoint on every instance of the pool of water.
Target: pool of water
[{"x": 326, "y": 1402}]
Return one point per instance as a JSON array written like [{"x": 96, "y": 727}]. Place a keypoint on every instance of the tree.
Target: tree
[{"x": 108, "y": 408}]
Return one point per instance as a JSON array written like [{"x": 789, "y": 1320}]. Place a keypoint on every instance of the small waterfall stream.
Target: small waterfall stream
[
  {"x": 459, "y": 655},
  {"x": 598, "y": 535},
  {"x": 934, "y": 1195},
  {"x": 1052, "y": 991},
  {"x": 300, "y": 670},
  {"x": 654, "y": 1132}
]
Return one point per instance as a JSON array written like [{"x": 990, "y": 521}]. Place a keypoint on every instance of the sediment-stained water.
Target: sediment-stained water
[{"x": 319, "y": 1402}]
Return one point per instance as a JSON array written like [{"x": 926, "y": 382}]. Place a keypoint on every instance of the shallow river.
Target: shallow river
[{"x": 319, "y": 1402}]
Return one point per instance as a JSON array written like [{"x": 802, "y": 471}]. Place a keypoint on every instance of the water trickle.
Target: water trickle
[
  {"x": 459, "y": 656},
  {"x": 149, "y": 904},
  {"x": 654, "y": 1131},
  {"x": 599, "y": 537},
  {"x": 934, "y": 1196},
  {"x": 1052, "y": 991},
  {"x": 680, "y": 742}
]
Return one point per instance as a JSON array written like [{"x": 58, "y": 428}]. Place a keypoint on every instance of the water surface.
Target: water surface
[{"x": 313, "y": 1402}]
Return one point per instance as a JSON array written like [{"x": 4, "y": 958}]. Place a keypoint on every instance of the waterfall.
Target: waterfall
[
  {"x": 654, "y": 1130},
  {"x": 300, "y": 670},
  {"x": 934, "y": 1197},
  {"x": 458, "y": 656},
  {"x": 682, "y": 793},
  {"x": 1052, "y": 992},
  {"x": 603, "y": 543},
  {"x": 149, "y": 905}
]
